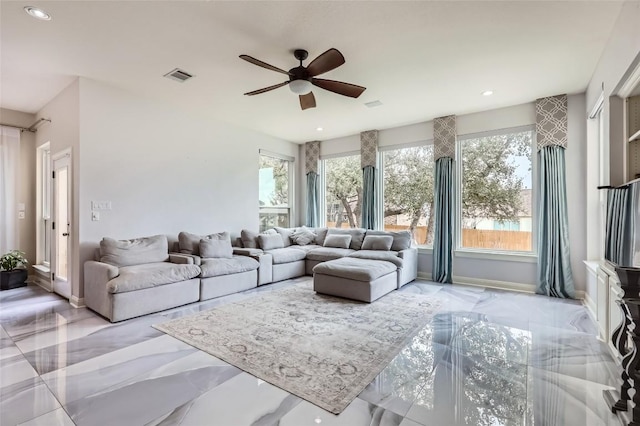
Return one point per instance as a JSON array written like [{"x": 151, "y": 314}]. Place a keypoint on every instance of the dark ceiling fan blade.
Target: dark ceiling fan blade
[
  {"x": 329, "y": 60},
  {"x": 266, "y": 89},
  {"x": 307, "y": 101},
  {"x": 339, "y": 87},
  {"x": 262, "y": 64}
]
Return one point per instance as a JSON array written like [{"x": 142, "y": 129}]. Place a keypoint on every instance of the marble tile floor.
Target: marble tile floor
[{"x": 488, "y": 357}]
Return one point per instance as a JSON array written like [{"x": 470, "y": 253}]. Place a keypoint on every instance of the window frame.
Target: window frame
[
  {"x": 380, "y": 179},
  {"x": 513, "y": 255},
  {"x": 322, "y": 169},
  {"x": 290, "y": 186}
]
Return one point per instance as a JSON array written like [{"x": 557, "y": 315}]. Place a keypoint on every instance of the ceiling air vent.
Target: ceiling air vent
[
  {"x": 373, "y": 104},
  {"x": 178, "y": 75}
]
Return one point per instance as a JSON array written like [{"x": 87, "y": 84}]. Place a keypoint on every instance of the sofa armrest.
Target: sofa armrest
[
  {"x": 409, "y": 271},
  {"x": 177, "y": 258},
  {"x": 182, "y": 259},
  {"x": 253, "y": 252},
  {"x": 96, "y": 277}
]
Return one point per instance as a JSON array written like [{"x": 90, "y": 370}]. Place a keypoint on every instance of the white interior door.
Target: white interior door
[{"x": 61, "y": 224}]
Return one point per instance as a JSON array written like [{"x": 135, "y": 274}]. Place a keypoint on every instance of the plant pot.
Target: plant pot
[{"x": 13, "y": 279}]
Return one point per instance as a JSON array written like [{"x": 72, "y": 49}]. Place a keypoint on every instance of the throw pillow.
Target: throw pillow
[
  {"x": 377, "y": 242},
  {"x": 357, "y": 236},
  {"x": 303, "y": 236},
  {"x": 401, "y": 239},
  {"x": 337, "y": 241},
  {"x": 217, "y": 247},
  {"x": 270, "y": 241},
  {"x": 250, "y": 238}
]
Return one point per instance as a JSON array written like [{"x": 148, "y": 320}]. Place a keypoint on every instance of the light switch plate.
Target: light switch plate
[{"x": 101, "y": 205}]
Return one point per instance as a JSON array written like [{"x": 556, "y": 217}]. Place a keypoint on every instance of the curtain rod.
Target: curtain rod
[{"x": 32, "y": 128}]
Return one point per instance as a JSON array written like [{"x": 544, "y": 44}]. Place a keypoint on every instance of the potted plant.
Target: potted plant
[{"x": 13, "y": 272}]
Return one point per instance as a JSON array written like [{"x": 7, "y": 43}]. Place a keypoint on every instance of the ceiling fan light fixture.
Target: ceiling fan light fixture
[
  {"x": 300, "y": 87},
  {"x": 37, "y": 13}
]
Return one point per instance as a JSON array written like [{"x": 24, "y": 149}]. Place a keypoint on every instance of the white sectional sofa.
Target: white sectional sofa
[{"x": 130, "y": 278}]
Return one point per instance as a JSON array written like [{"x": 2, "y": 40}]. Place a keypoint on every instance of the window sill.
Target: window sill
[
  {"x": 42, "y": 268},
  {"x": 425, "y": 249},
  {"x": 508, "y": 257}
]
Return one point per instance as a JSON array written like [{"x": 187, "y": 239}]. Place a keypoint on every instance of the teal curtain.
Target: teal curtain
[
  {"x": 618, "y": 226},
  {"x": 554, "y": 265},
  {"x": 369, "y": 217},
  {"x": 313, "y": 202},
  {"x": 443, "y": 211}
]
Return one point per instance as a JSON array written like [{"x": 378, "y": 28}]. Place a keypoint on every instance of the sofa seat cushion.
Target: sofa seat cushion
[
  {"x": 138, "y": 277},
  {"x": 287, "y": 255},
  {"x": 322, "y": 254},
  {"x": 355, "y": 269},
  {"x": 307, "y": 248},
  {"x": 388, "y": 256},
  {"x": 222, "y": 266}
]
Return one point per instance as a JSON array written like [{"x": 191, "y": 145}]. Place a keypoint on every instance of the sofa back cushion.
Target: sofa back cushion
[
  {"x": 286, "y": 234},
  {"x": 337, "y": 241},
  {"x": 401, "y": 239},
  {"x": 357, "y": 236},
  {"x": 303, "y": 236},
  {"x": 270, "y": 241},
  {"x": 137, "y": 251},
  {"x": 216, "y": 246},
  {"x": 321, "y": 234},
  {"x": 377, "y": 242}
]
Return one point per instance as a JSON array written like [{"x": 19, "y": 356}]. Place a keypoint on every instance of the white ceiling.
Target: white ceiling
[{"x": 420, "y": 59}]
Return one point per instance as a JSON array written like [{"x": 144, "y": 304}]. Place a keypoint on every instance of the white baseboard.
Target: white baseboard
[
  {"x": 77, "y": 302},
  {"x": 500, "y": 285},
  {"x": 41, "y": 282}
]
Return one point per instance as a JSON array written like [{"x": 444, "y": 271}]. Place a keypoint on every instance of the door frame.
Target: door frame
[{"x": 67, "y": 152}]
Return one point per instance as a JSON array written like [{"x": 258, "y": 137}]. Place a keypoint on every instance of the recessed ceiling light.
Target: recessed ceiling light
[
  {"x": 487, "y": 93},
  {"x": 37, "y": 13},
  {"x": 319, "y": 129}
]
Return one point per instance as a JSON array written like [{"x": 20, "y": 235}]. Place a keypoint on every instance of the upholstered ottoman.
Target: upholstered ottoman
[{"x": 359, "y": 279}]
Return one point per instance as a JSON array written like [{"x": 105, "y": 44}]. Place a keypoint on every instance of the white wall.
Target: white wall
[
  {"x": 621, "y": 53},
  {"x": 164, "y": 171},
  {"x": 62, "y": 132},
  {"x": 522, "y": 274},
  {"x": 27, "y": 180}
]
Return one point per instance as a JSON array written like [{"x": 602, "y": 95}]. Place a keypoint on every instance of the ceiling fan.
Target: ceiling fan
[{"x": 302, "y": 78}]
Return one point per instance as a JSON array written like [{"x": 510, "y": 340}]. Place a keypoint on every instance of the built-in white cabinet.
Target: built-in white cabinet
[
  {"x": 602, "y": 304},
  {"x": 609, "y": 314}
]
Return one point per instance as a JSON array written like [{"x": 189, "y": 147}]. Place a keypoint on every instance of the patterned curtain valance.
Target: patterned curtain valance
[
  {"x": 444, "y": 137},
  {"x": 368, "y": 148},
  {"x": 551, "y": 121},
  {"x": 311, "y": 156}
]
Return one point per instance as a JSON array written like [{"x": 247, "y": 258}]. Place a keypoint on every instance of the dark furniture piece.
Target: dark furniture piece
[{"x": 626, "y": 339}]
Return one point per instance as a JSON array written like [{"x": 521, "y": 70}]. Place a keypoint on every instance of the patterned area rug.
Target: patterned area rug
[{"x": 321, "y": 348}]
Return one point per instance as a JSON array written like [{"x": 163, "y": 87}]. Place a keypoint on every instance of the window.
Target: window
[
  {"x": 343, "y": 191},
  {"x": 275, "y": 189},
  {"x": 408, "y": 175},
  {"x": 44, "y": 216},
  {"x": 496, "y": 191}
]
